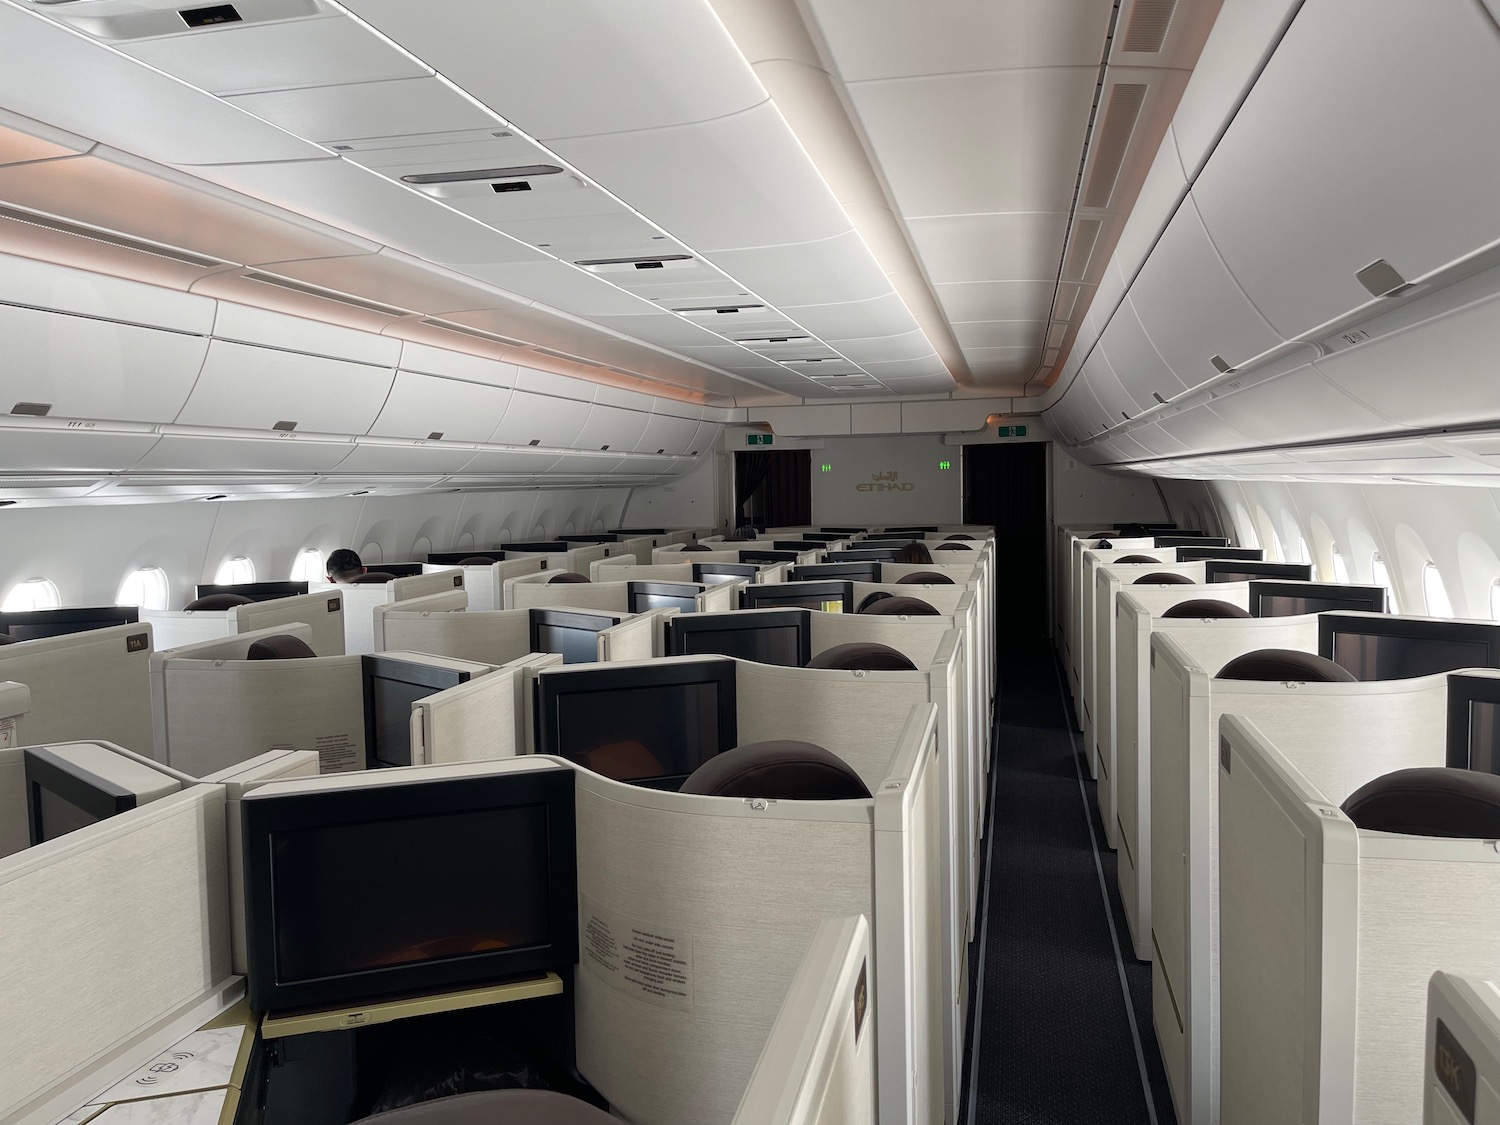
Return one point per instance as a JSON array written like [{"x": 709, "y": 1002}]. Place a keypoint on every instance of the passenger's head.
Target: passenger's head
[
  {"x": 914, "y": 553},
  {"x": 344, "y": 566}
]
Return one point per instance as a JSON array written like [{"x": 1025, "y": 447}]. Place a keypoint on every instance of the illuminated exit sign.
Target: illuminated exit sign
[
  {"x": 828, "y": 468},
  {"x": 766, "y": 439},
  {"x": 1010, "y": 431},
  {"x": 945, "y": 464}
]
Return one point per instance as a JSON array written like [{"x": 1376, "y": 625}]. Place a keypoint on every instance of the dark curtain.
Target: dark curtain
[
  {"x": 773, "y": 488},
  {"x": 1005, "y": 486}
]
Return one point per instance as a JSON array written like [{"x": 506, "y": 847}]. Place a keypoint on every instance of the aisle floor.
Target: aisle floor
[{"x": 1061, "y": 1030}]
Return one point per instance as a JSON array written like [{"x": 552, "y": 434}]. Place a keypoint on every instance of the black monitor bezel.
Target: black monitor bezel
[
  {"x": 843, "y": 531},
  {"x": 823, "y": 536},
  {"x": 591, "y": 537},
  {"x": 798, "y": 545},
  {"x": 747, "y": 571},
  {"x": 550, "y": 547},
  {"x": 851, "y": 571},
  {"x": 913, "y": 530},
  {"x": 635, "y": 588},
  {"x": 1207, "y": 554},
  {"x": 637, "y": 532},
  {"x": 744, "y": 620},
  {"x": 88, "y": 618},
  {"x": 453, "y": 558},
  {"x": 1463, "y": 691},
  {"x": 720, "y": 670},
  {"x": 1408, "y": 628},
  {"x": 880, "y": 555},
  {"x": 566, "y": 619},
  {"x": 94, "y": 795},
  {"x": 1263, "y": 588},
  {"x": 423, "y": 675},
  {"x": 261, "y": 818},
  {"x": 401, "y": 570},
  {"x": 765, "y": 556},
  {"x": 751, "y": 595},
  {"x": 1274, "y": 572},
  {"x": 255, "y": 591},
  {"x": 1161, "y": 542}
]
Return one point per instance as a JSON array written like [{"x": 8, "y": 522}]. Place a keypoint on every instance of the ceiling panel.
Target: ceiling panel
[
  {"x": 989, "y": 363},
  {"x": 991, "y": 247},
  {"x": 808, "y": 272},
  {"x": 973, "y": 335},
  {"x": 562, "y": 286},
  {"x": 328, "y": 114},
  {"x": 969, "y": 143},
  {"x": 997, "y": 300}
]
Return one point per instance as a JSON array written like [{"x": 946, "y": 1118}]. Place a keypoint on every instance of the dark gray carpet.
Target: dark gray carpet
[{"x": 1054, "y": 1040}]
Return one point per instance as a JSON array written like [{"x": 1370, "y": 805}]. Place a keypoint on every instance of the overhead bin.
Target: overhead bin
[
  {"x": 248, "y": 387},
  {"x": 533, "y": 419},
  {"x": 1358, "y": 144},
  {"x": 41, "y": 447},
  {"x": 1115, "y": 402},
  {"x": 1163, "y": 189},
  {"x": 420, "y": 406},
  {"x": 456, "y": 365},
  {"x": 238, "y": 452},
  {"x": 79, "y": 367},
  {"x": 45, "y": 285},
  {"x": 1291, "y": 392},
  {"x": 1191, "y": 308},
  {"x": 397, "y": 456},
  {"x": 612, "y": 427},
  {"x": 674, "y": 435},
  {"x": 248, "y": 325},
  {"x": 1137, "y": 364}
]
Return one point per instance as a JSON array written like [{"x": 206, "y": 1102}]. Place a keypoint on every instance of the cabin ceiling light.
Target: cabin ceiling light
[{"x": 520, "y": 171}]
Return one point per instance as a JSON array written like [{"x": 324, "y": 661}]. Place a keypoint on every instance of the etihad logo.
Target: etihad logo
[{"x": 886, "y": 482}]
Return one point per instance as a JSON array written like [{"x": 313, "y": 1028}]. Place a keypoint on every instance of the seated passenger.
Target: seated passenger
[{"x": 344, "y": 566}]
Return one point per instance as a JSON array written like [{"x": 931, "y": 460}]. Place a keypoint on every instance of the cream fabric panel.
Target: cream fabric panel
[
  {"x": 488, "y": 637},
  {"x": 510, "y": 584},
  {"x": 472, "y": 722},
  {"x": 632, "y": 639},
  {"x": 322, "y": 612},
  {"x": 172, "y": 628},
  {"x": 944, "y": 599},
  {"x": 721, "y": 598},
  {"x": 626, "y": 569},
  {"x": 108, "y": 931},
  {"x": 14, "y": 833},
  {"x": 86, "y": 687},
  {"x": 571, "y": 595},
  {"x": 454, "y": 601},
  {"x": 917, "y": 637}
]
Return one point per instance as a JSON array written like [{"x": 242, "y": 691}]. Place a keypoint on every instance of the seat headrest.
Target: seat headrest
[
  {"x": 7, "y": 639},
  {"x": 1138, "y": 559},
  {"x": 281, "y": 647},
  {"x": 1163, "y": 578},
  {"x": 967, "y": 538},
  {"x": 1287, "y": 665},
  {"x": 373, "y": 578},
  {"x": 781, "y": 770},
  {"x": 496, "y": 1107},
  {"x": 868, "y": 656},
  {"x": 1205, "y": 607},
  {"x": 870, "y": 599},
  {"x": 567, "y": 576},
  {"x": 218, "y": 601},
  {"x": 952, "y": 547},
  {"x": 702, "y": 546},
  {"x": 476, "y": 560},
  {"x": 924, "y": 578},
  {"x": 1431, "y": 801},
  {"x": 895, "y": 607}
]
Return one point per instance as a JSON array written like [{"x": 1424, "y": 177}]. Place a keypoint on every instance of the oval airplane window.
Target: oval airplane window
[
  {"x": 1380, "y": 576},
  {"x": 233, "y": 571},
  {"x": 1340, "y": 567},
  {"x": 1303, "y": 554},
  {"x": 1245, "y": 526},
  {"x": 371, "y": 553},
  {"x": 309, "y": 566},
  {"x": 1434, "y": 593},
  {"x": 34, "y": 593},
  {"x": 146, "y": 588}
]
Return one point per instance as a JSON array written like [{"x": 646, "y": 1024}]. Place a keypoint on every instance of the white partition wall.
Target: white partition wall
[
  {"x": 1331, "y": 934},
  {"x": 738, "y": 889},
  {"x": 818, "y": 1065},
  {"x": 214, "y": 708},
  {"x": 635, "y": 638},
  {"x": 86, "y": 687},
  {"x": 475, "y": 721},
  {"x": 361, "y": 599},
  {"x": 485, "y": 583},
  {"x": 1213, "y": 643},
  {"x": 1463, "y": 1051},
  {"x": 489, "y": 636},
  {"x": 1339, "y": 734},
  {"x": 1080, "y": 602},
  {"x": 321, "y": 610},
  {"x": 917, "y": 638},
  {"x": 94, "y": 988}
]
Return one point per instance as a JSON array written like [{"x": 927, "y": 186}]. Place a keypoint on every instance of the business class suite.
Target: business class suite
[{"x": 1163, "y": 326}]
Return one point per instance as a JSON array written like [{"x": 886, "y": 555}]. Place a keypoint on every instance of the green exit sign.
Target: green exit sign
[
  {"x": 1011, "y": 431},
  {"x": 828, "y": 468},
  {"x": 945, "y": 464},
  {"x": 759, "y": 439}
]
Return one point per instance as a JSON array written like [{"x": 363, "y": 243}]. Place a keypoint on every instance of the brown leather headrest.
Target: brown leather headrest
[
  {"x": 281, "y": 647},
  {"x": 1106, "y": 545},
  {"x": 476, "y": 560},
  {"x": 1285, "y": 664},
  {"x": 1138, "y": 559},
  {"x": 1205, "y": 607},
  {"x": 699, "y": 546},
  {"x": 1431, "y": 801},
  {"x": 1163, "y": 578},
  {"x": 496, "y": 1107},
  {"x": 895, "y": 607},
  {"x": 737, "y": 539},
  {"x": 863, "y": 655},
  {"x": 373, "y": 578},
  {"x": 870, "y": 599},
  {"x": 952, "y": 547},
  {"x": 924, "y": 578},
  {"x": 947, "y": 538},
  {"x": 218, "y": 601},
  {"x": 782, "y": 770},
  {"x": 567, "y": 576}
]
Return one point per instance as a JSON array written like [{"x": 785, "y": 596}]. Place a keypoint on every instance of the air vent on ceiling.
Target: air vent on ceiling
[
  {"x": 772, "y": 339},
  {"x": 567, "y": 356},
  {"x": 510, "y": 185},
  {"x": 35, "y": 409},
  {"x": 1111, "y": 140},
  {"x": 1067, "y": 301},
  {"x": 644, "y": 262},
  {"x": 123, "y": 242},
  {"x": 477, "y": 333},
  {"x": 210, "y": 17},
  {"x": 1147, "y": 29},
  {"x": 716, "y": 310},
  {"x": 285, "y": 427},
  {"x": 1056, "y": 335},
  {"x": 326, "y": 294},
  {"x": 519, "y": 172},
  {"x": 1080, "y": 249},
  {"x": 216, "y": 496}
]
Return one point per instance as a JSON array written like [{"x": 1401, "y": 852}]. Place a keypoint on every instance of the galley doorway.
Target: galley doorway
[
  {"x": 1005, "y": 486},
  {"x": 773, "y": 488}
]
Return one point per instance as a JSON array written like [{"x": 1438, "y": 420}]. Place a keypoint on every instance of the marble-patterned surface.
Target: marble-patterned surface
[
  {"x": 199, "y": 1061},
  {"x": 202, "y": 1108}
]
